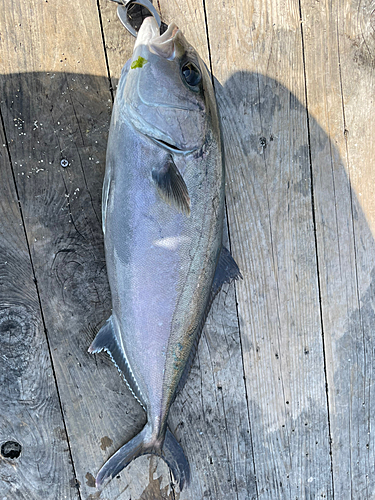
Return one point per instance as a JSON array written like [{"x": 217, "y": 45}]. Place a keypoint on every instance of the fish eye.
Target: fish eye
[{"x": 191, "y": 74}]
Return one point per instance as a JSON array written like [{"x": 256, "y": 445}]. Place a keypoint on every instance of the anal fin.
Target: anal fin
[
  {"x": 106, "y": 340},
  {"x": 226, "y": 271}
]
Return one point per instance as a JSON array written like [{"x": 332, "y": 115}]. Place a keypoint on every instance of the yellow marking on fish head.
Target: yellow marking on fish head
[{"x": 139, "y": 63}]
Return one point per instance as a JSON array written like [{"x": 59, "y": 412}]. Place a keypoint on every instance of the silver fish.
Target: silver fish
[{"x": 163, "y": 210}]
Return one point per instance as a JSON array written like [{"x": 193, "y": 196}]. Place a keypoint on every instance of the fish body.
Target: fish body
[{"x": 163, "y": 210}]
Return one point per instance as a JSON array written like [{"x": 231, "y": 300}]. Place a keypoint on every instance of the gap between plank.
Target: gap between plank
[
  {"x": 208, "y": 43},
  {"x": 105, "y": 51},
  {"x": 39, "y": 300},
  {"x": 316, "y": 247}
]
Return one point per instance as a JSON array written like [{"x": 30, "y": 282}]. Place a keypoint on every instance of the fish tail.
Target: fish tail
[
  {"x": 114, "y": 465},
  {"x": 143, "y": 444},
  {"x": 174, "y": 456}
]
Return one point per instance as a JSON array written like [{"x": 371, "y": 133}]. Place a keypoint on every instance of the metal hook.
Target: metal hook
[{"x": 122, "y": 12}]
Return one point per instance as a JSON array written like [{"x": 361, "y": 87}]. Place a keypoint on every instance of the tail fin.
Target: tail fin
[
  {"x": 173, "y": 455},
  {"x": 141, "y": 444}
]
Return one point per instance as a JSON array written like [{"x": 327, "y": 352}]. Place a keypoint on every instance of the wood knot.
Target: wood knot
[
  {"x": 11, "y": 449},
  {"x": 18, "y": 329},
  {"x": 364, "y": 42}
]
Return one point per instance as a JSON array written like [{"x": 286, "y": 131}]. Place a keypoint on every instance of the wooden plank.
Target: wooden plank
[
  {"x": 56, "y": 87},
  {"x": 259, "y": 64},
  {"x": 30, "y": 412},
  {"x": 210, "y": 415},
  {"x": 58, "y": 93},
  {"x": 340, "y": 82},
  {"x": 117, "y": 40}
]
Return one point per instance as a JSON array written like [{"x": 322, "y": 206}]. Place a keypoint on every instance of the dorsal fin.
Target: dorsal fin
[
  {"x": 226, "y": 271},
  {"x": 106, "y": 340}
]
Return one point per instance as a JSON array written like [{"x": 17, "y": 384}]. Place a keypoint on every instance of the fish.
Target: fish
[{"x": 163, "y": 216}]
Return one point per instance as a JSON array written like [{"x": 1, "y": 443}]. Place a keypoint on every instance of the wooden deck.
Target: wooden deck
[{"x": 280, "y": 402}]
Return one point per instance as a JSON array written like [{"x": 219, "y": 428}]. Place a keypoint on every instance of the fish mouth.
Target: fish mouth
[{"x": 161, "y": 45}]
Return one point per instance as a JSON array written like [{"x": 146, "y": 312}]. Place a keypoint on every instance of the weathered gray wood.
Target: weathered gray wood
[
  {"x": 117, "y": 41},
  {"x": 339, "y": 42},
  {"x": 274, "y": 426},
  {"x": 259, "y": 63},
  {"x": 30, "y": 412}
]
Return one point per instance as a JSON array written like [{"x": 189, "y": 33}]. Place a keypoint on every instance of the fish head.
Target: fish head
[{"x": 168, "y": 94}]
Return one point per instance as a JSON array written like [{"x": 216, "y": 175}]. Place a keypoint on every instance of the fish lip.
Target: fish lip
[
  {"x": 162, "y": 45},
  {"x": 169, "y": 34}
]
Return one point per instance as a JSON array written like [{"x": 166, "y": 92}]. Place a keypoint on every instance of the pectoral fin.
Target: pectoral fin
[{"x": 171, "y": 186}]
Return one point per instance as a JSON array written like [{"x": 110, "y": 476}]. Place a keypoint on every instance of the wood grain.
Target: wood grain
[
  {"x": 30, "y": 412},
  {"x": 262, "y": 105},
  {"x": 117, "y": 40},
  {"x": 343, "y": 168}
]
